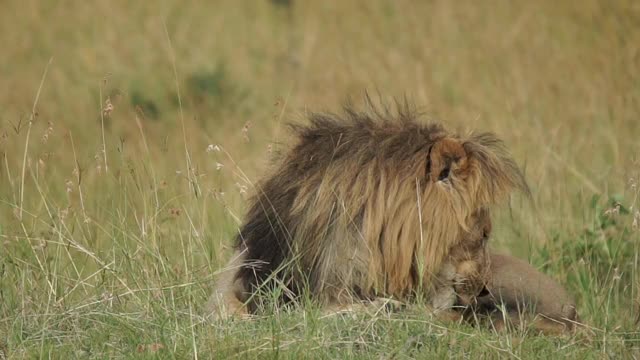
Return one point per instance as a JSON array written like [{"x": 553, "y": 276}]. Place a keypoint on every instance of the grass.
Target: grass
[{"x": 130, "y": 135}]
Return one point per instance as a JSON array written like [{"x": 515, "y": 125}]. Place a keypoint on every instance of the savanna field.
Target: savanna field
[{"x": 131, "y": 135}]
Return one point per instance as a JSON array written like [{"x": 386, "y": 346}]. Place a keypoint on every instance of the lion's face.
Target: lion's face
[
  {"x": 452, "y": 172},
  {"x": 471, "y": 258},
  {"x": 448, "y": 161}
]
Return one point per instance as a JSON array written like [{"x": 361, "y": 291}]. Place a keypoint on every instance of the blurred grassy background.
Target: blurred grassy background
[{"x": 559, "y": 81}]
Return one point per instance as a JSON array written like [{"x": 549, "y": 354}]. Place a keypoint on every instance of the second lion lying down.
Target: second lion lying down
[
  {"x": 368, "y": 205},
  {"x": 520, "y": 296}
]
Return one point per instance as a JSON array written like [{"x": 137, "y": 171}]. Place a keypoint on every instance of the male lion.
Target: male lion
[{"x": 368, "y": 205}]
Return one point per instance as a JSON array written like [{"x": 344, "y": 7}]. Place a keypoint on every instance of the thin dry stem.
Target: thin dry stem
[
  {"x": 193, "y": 183},
  {"x": 104, "y": 143},
  {"x": 26, "y": 145}
]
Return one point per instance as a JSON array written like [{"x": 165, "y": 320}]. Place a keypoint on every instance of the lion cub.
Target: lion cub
[{"x": 519, "y": 295}]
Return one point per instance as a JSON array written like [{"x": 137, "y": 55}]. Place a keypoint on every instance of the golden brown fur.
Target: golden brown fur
[
  {"x": 519, "y": 295},
  {"x": 366, "y": 205}
]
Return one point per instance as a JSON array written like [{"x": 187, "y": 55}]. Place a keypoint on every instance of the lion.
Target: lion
[
  {"x": 519, "y": 296},
  {"x": 367, "y": 205}
]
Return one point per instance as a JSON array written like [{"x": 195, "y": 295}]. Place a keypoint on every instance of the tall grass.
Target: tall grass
[{"x": 131, "y": 134}]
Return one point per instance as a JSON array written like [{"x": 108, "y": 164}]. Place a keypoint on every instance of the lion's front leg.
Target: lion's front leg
[
  {"x": 381, "y": 305},
  {"x": 226, "y": 300},
  {"x": 354, "y": 307}
]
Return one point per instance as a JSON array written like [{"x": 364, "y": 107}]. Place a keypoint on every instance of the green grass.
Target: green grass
[{"x": 111, "y": 254}]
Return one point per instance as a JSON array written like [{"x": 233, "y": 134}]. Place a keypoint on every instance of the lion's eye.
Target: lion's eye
[{"x": 444, "y": 173}]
